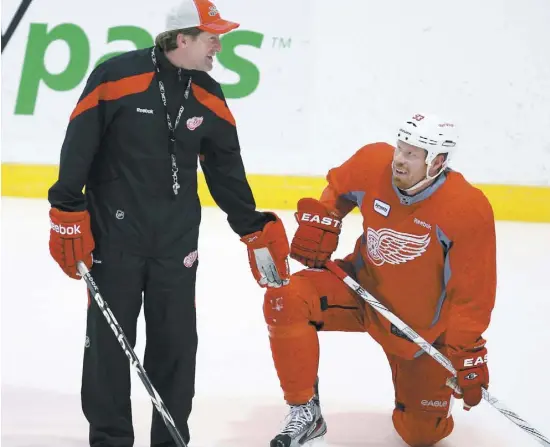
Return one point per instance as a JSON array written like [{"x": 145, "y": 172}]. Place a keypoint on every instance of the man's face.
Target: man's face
[
  {"x": 409, "y": 165},
  {"x": 201, "y": 50}
]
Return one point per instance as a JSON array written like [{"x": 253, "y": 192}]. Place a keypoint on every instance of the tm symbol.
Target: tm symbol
[{"x": 281, "y": 42}]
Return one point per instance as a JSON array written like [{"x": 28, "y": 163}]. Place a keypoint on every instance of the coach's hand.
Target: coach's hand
[
  {"x": 268, "y": 254},
  {"x": 71, "y": 240}
]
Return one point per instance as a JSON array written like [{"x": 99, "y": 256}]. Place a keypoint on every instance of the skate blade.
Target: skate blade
[
  {"x": 319, "y": 440},
  {"x": 316, "y": 442}
]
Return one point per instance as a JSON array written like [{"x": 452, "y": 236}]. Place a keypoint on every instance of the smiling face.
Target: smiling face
[
  {"x": 409, "y": 166},
  {"x": 198, "y": 52}
]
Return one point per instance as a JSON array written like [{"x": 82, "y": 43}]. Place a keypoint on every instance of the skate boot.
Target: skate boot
[{"x": 303, "y": 424}]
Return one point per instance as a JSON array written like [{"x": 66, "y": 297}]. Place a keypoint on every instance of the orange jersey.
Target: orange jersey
[{"x": 430, "y": 258}]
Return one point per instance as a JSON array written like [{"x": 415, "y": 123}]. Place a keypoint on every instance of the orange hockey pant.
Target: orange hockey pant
[{"x": 317, "y": 300}]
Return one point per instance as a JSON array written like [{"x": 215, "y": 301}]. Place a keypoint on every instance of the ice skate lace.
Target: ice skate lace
[{"x": 299, "y": 417}]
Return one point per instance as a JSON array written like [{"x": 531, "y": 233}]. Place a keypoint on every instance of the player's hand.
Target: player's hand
[
  {"x": 71, "y": 239},
  {"x": 268, "y": 254},
  {"x": 472, "y": 374},
  {"x": 317, "y": 235}
]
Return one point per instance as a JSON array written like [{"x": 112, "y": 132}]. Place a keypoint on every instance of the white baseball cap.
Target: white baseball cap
[{"x": 201, "y": 14}]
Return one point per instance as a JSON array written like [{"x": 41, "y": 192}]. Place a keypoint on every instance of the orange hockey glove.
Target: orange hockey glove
[
  {"x": 71, "y": 239},
  {"x": 472, "y": 374},
  {"x": 317, "y": 235},
  {"x": 268, "y": 254}
]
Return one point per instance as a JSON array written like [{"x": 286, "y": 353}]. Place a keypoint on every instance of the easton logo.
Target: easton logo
[
  {"x": 315, "y": 218},
  {"x": 471, "y": 362}
]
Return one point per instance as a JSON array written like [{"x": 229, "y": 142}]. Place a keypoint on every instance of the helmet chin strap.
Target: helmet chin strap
[{"x": 420, "y": 184}]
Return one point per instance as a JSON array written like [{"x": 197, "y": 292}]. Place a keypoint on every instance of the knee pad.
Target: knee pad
[
  {"x": 421, "y": 429},
  {"x": 290, "y": 304}
]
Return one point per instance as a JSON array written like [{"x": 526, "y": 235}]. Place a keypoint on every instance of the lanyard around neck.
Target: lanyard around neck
[{"x": 171, "y": 128}]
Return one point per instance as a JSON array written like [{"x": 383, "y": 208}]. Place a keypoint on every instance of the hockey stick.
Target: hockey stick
[
  {"x": 134, "y": 361},
  {"x": 434, "y": 353}
]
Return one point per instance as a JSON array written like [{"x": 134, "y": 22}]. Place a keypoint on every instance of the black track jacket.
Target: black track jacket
[{"x": 117, "y": 145}]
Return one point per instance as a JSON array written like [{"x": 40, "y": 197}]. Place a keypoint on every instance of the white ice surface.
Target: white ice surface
[{"x": 238, "y": 400}]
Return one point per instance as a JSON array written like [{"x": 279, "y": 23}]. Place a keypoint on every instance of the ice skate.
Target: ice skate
[{"x": 303, "y": 424}]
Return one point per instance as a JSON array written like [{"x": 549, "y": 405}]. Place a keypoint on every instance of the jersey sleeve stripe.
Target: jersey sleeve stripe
[
  {"x": 213, "y": 103},
  {"x": 113, "y": 90}
]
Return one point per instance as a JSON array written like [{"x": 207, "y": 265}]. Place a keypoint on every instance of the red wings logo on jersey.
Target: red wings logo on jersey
[
  {"x": 393, "y": 247},
  {"x": 190, "y": 259},
  {"x": 193, "y": 123}
]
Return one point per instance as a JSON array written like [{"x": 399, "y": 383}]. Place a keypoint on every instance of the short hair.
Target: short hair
[{"x": 167, "y": 41}]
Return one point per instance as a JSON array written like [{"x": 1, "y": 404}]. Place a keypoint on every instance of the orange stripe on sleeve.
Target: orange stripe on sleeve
[
  {"x": 213, "y": 103},
  {"x": 109, "y": 91}
]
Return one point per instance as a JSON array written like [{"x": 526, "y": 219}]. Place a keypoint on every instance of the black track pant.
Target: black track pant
[{"x": 166, "y": 287}]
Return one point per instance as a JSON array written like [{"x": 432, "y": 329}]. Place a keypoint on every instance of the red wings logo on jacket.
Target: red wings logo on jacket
[{"x": 393, "y": 247}]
